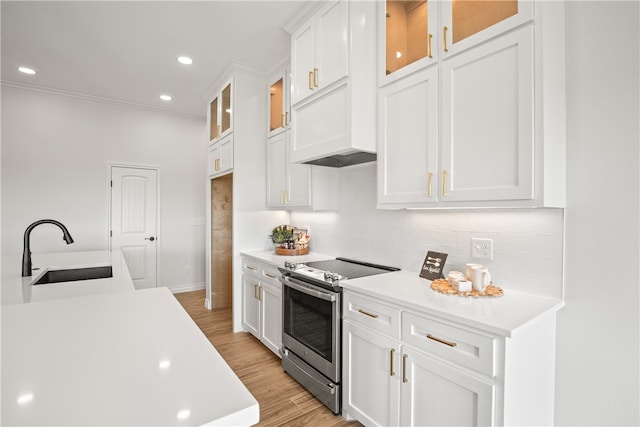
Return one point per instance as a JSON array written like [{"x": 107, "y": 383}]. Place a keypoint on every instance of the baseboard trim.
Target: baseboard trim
[{"x": 187, "y": 288}]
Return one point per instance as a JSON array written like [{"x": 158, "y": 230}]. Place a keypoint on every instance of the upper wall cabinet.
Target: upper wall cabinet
[
  {"x": 220, "y": 112},
  {"x": 479, "y": 119},
  {"x": 319, "y": 51},
  {"x": 334, "y": 98}
]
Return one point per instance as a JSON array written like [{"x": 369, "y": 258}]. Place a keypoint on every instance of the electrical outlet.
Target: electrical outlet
[{"x": 482, "y": 248}]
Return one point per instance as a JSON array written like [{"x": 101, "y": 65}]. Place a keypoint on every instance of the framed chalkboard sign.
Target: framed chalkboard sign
[{"x": 433, "y": 265}]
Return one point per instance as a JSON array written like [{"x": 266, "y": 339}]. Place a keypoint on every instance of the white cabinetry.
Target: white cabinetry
[
  {"x": 333, "y": 82},
  {"x": 220, "y": 112},
  {"x": 491, "y": 99},
  {"x": 221, "y": 156},
  {"x": 262, "y": 302},
  {"x": 407, "y": 368},
  {"x": 319, "y": 51},
  {"x": 293, "y": 185}
]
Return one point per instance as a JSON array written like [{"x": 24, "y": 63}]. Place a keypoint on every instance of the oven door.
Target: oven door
[{"x": 311, "y": 325}]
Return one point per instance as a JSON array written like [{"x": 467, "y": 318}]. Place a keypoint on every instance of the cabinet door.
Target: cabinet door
[
  {"x": 436, "y": 394},
  {"x": 226, "y": 154},
  {"x": 214, "y": 123},
  {"x": 271, "y": 316},
  {"x": 226, "y": 109},
  {"x": 466, "y": 23},
  {"x": 276, "y": 171},
  {"x": 408, "y": 139},
  {"x": 298, "y": 181},
  {"x": 302, "y": 61},
  {"x": 279, "y": 114},
  {"x": 408, "y": 37},
  {"x": 487, "y": 133},
  {"x": 371, "y": 376},
  {"x": 212, "y": 160},
  {"x": 251, "y": 304},
  {"x": 332, "y": 53}
]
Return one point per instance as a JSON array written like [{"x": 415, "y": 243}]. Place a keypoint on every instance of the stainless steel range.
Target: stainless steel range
[{"x": 312, "y": 327}]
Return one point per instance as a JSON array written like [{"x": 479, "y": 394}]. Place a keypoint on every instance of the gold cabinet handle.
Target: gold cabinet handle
[
  {"x": 444, "y": 38},
  {"x": 286, "y": 118},
  {"x": 441, "y": 341},
  {"x": 375, "y": 316},
  {"x": 270, "y": 275},
  {"x": 429, "y": 177},
  {"x": 444, "y": 183},
  {"x": 286, "y": 197},
  {"x": 429, "y": 53},
  {"x": 283, "y": 121},
  {"x": 250, "y": 268},
  {"x": 310, "y": 80},
  {"x": 255, "y": 292},
  {"x": 391, "y": 371},
  {"x": 404, "y": 368},
  {"x": 259, "y": 293},
  {"x": 315, "y": 77}
]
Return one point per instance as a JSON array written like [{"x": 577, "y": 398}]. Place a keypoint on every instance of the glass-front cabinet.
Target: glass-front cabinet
[
  {"x": 409, "y": 35},
  {"x": 220, "y": 111},
  {"x": 417, "y": 33},
  {"x": 279, "y": 109}
]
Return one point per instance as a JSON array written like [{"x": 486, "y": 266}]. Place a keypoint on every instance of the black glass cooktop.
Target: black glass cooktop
[{"x": 350, "y": 269}]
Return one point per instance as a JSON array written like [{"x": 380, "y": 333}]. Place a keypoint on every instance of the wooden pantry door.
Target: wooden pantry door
[{"x": 134, "y": 221}]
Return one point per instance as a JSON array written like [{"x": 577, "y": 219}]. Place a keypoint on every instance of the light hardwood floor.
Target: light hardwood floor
[{"x": 282, "y": 400}]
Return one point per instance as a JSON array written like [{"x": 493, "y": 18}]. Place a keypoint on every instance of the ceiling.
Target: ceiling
[{"x": 126, "y": 51}]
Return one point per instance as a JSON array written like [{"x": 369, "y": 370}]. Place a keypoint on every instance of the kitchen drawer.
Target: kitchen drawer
[
  {"x": 250, "y": 266},
  {"x": 270, "y": 274},
  {"x": 371, "y": 313},
  {"x": 467, "y": 348}
]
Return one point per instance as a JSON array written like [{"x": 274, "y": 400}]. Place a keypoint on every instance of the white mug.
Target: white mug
[
  {"x": 468, "y": 269},
  {"x": 480, "y": 278}
]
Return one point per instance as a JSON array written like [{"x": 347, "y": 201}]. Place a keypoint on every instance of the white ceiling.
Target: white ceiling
[{"x": 127, "y": 50}]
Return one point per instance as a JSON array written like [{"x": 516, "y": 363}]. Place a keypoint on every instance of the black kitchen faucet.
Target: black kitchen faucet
[{"x": 26, "y": 251}]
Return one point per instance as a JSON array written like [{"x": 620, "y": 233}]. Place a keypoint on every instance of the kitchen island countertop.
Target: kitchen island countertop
[{"x": 126, "y": 358}]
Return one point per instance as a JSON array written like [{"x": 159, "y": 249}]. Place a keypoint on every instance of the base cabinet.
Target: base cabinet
[
  {"x": 405, "y": 368},
  {"x": 262, "y": 303}
]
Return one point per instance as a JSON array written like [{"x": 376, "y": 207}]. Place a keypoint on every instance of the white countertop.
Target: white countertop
[
  {"x": 97, "y": 360},
  {"x": 500, "y": 315},
  {"x": 278, "y": 260},
  {"x": 19, "y": 290}
]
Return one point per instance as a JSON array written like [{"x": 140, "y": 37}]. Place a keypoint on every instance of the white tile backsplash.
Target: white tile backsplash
[{"x": 527, "y": 243}]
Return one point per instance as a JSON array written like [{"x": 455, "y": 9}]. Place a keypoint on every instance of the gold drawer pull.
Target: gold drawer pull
[
  {"x": 270, "y": 275},
  {"x": 315, "y": 77},
  {"x": 250, "y": 268},
  {"x": 375, "y": 316},
  {"x": 444, "y": 183},
  {"x": 404, "y": 368},
  {"x": 441, "y": 341},
  {"x": 310, "y": 80},
  {"x": 429, "y": 177},
  {"x": 391, "y": 372},
  {"x": 429, "y": 54}
]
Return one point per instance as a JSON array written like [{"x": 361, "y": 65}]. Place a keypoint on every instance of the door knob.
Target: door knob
[{"x": 150, "y": 238}]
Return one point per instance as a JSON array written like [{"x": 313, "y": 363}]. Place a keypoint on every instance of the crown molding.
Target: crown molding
[{"x": 93, "y": 98}]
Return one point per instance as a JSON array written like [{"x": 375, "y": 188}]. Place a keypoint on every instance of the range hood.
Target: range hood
[{"x": 341, "y": 160}]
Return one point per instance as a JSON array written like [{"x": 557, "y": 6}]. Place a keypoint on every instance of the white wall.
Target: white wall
[
  {"x": 598, "y": 330},
  {"x": 55, "y": 151}
]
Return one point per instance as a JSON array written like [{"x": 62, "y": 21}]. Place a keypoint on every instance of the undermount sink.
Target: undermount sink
[{"x": 75, "y": 274}]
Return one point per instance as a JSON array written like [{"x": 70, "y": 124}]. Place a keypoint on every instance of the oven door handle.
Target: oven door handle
[{"x": 293, "y": 283}]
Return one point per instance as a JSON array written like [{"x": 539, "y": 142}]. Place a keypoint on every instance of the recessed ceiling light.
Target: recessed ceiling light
[
  {"x": 185, "y": 60},
  {"x": 165, "y": 97},
  {"x": 26, "y": 70}
]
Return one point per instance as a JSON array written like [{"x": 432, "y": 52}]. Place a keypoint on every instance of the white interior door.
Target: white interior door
[{"x": 134, "y": 207}]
